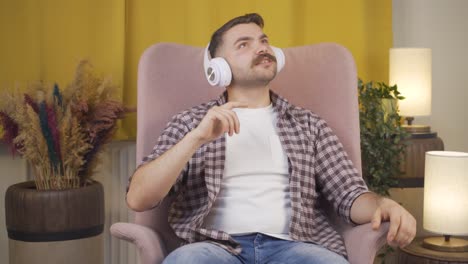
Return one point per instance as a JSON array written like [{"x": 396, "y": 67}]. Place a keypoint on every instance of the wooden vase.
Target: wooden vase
[{"x": 55, "y": 226}]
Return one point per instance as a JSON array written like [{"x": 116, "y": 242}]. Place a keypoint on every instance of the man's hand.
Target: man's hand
[
  {"x": 402, "y": 224},
  {"x": 370, "y": 207},
  {"x": 219, "y": 120}
]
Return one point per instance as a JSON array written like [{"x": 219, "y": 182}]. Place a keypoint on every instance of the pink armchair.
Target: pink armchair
[{"x": 319, "y": 77}]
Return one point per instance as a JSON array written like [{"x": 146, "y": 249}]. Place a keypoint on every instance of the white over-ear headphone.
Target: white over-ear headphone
[{"x": 218, "y": 72}]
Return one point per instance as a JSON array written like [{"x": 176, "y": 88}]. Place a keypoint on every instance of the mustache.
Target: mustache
[{"x": 260, "y": 57}]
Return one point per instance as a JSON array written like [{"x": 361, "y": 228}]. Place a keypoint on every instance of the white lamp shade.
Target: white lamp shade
[
  {"x": 411, "y": 70},
  {"x": 446, "y": 193}
]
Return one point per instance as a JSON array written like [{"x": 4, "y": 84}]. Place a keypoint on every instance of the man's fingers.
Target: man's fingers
[
  {"x": 413, "y": 227},
  {"x": 222, "y": 119},
  {"x": 394, "y": 226},
  {"x": 402, "y": 235},
  {"x": 232, "y": 118},
  {"x": 229, "y": 119},
  {"x": 392, "y": 244},
  {"x": 377, "y": 219},
  {"x": 236, "y": 121},
  {"x": 406, "y": 232},
  {"x": 402, "y": 224}
]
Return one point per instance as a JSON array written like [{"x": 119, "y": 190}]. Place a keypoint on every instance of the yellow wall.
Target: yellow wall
[{"x": 45, "y": 39}]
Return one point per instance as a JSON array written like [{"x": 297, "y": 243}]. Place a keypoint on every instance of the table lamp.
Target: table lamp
[
  {"x": 411, "y": 70},
  {"x": 446, "y": 200}
]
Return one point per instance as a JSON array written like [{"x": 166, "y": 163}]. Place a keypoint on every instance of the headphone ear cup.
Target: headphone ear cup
[
  {"x": 280, "y": 58},
  {"x": 218, "y": 72}
]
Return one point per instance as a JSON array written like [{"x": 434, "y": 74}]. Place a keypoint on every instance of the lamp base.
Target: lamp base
[
  {"x": 441, "y": 244},
  {"x": 416, "y": 129}
]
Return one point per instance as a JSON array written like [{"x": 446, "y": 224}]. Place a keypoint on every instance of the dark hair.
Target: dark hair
[{"x": 217, "y": 37}]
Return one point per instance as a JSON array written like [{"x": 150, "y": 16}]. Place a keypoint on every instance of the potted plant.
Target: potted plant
[
  {"x": 382, "y": 149},
  {"x": 61, "y": 134}
]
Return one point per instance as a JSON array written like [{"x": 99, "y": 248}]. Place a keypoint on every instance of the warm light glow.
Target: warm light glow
[
  {"x": 446, "y": 193},
  {"x": 411, "y": 70}
]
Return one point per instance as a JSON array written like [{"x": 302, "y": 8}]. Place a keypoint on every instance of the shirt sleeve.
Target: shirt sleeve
[
  {"x": 175, "y": 130},
  {"x": 337, "y": 178}
]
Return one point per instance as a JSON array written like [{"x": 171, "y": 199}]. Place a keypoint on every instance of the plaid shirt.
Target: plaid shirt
[{"x": 318, "y": 167}]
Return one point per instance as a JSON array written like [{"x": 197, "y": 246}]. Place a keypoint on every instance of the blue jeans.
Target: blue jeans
[{"x": 256, "y": 249}]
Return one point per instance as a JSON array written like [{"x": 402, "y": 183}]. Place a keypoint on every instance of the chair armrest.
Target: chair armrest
[
  {"x": 362, "y": 242},
  {"x": 149, "y": 243}
]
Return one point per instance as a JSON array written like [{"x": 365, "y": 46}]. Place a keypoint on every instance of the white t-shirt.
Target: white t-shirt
[{"x": 254, "y": 195}]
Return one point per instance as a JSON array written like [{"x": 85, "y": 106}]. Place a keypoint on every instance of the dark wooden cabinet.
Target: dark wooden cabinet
[{"x": 412, "y": 166}]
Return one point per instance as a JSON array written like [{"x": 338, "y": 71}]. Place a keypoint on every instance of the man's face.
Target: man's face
[{"x": 247, "y": 50}]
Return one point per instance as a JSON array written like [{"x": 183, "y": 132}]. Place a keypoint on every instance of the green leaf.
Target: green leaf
[{"x": 382, "y": 145}]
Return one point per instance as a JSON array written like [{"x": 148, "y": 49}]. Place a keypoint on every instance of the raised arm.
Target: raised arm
[{"x": 152, "y": 181}]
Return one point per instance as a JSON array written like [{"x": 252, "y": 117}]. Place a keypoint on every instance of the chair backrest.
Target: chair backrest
[{"x": 320, "y": 77}]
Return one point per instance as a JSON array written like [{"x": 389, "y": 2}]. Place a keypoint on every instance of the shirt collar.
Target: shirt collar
[{"x": 279, "y": 103}]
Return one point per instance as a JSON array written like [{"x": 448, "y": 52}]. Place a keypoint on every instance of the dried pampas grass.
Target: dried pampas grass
[{"x": 62, "y": 133}]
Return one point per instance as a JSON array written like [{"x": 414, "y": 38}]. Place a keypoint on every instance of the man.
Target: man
[{"x": 246, "y": 187}]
